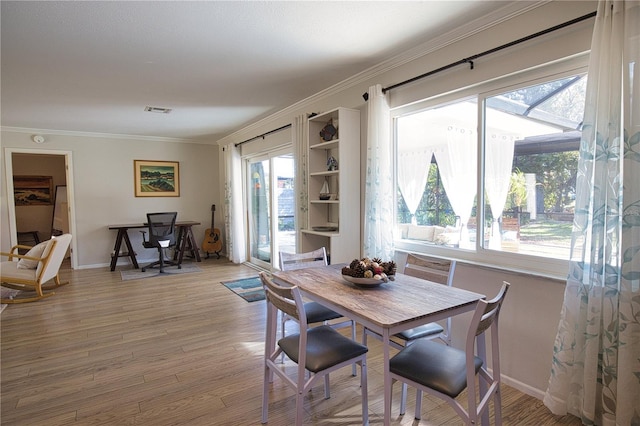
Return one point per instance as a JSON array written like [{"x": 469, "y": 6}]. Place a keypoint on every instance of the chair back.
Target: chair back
[
  {"x": 285, "y": 299},
  {"x": 162, "y": 229},
  {"x": 53, "y": 254},
  {"x": 431, "y": 269},
  {"x": 485, "y": 318},
  {"x": 292, "y": 261}
]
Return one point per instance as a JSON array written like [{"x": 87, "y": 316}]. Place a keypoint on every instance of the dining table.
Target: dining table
[{"x": 386, "y": 309}]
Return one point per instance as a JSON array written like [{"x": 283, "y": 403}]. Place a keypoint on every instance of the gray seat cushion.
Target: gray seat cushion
[
  {"x": 325, "y": 348},
  {"x": 425, "y": 330},
  {"x": 319, "y": 313},
  {"x": 434, "y": 365}
]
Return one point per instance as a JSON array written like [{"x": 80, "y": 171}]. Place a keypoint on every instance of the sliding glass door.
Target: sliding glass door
[{"x": 271, "y": 206}]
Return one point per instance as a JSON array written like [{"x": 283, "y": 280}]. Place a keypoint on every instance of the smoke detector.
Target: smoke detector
[{"x": 158, "y": 110}]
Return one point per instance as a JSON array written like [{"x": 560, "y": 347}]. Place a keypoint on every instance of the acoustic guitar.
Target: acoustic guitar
[{"x": 212, "y": 242}]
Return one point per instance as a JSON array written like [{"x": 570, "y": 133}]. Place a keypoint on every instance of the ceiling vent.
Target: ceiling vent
[{"x": 157, "y": 110}]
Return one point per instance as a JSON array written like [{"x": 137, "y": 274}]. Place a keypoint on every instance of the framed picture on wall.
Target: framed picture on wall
[
  {"x": 33, "y": 190},
  {"x": 156, "y": 178}
]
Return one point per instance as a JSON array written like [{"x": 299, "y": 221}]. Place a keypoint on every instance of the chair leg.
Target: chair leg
[
  {"x": 418, "y": 414},
  {"x": 403, "y": 398},
  {"x": 363, "y": 389},
  {"x": 284, "y": 321},
  {"x": 299, "y": 407},
  {"x": 268, "y": 377},
  {"x": 354, "y": 372},
  {"x": 327, "y": 388},
  {"x": 497, "y": 407}
]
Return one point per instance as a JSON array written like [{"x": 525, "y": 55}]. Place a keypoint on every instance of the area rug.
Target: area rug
[
  {"x": 7, "y": 293},
  {"x": 137, "y": 274},
  {"x": 250, "y": 289}
]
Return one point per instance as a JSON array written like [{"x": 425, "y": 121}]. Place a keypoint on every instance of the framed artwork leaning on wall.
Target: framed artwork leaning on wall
[{"x": 33, "y": 190}]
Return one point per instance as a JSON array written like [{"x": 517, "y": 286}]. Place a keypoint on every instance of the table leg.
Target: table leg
[
  {"x": 123, "y": 236},
  {"x": 177, "y": 255},
  {"x": 182, "y": 243},
  {"x": 132, "y": 254},
  {"x": 387, "y": 377},
  {"x": 193, "y": 247},
  {"x": 116, "y": 249}
]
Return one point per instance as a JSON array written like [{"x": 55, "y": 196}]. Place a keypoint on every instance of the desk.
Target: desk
[
  {"x": 388, "y": 309},
  {"x": 185, "y": 242}
]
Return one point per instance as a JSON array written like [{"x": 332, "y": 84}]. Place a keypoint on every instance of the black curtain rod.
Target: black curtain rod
[
  {"x": 263, "y": 135},
  {"x": 470, "y": 59}
]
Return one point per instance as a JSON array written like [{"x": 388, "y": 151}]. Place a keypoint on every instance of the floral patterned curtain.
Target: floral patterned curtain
[
  {"x": 378, "y": 208},
  {"x": 595, "y": 371},
  {"x": 301, "y": 144}
]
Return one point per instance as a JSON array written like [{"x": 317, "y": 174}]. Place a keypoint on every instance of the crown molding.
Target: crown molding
[{"x": 99, "y": 135}]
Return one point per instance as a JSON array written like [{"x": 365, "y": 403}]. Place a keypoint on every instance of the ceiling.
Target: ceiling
[{"x": 93, "y": 66}]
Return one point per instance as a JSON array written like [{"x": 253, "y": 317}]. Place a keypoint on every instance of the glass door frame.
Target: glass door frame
[{"x": 272, "y": 202}]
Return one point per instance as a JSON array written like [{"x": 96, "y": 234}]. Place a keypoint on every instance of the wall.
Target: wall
[
  {"x": 532, "y": 310},
  {"x": 104, "y": 192},
  {"x": 38, "y": 218},
  {"x": 528, "y": 321}
]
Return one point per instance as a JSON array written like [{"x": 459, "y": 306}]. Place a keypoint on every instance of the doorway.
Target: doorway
[
  {"x": 271, "y": 203},
  {"x": 38, "y": 218}
]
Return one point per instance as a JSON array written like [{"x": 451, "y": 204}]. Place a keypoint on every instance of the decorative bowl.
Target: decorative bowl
[{"x": 363, "y": 282}]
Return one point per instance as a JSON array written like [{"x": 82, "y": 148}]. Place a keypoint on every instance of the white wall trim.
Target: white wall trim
[
  {"x": 46, "y": 132},
  {"x": 11, "y": 206}
]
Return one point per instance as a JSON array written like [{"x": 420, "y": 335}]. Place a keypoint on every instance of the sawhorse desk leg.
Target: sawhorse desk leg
[
  {"x": 186, "y": 242},
  {"x": 123, "y": 235}
]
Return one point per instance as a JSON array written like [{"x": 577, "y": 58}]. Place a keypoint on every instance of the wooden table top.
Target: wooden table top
[
  {"x": 390, "y": 305},
  {"x": 144, "y": 225}
]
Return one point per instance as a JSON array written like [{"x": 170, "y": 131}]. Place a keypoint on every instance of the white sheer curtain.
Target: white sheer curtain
[
  {"x": 497, "y": 176},
  {"x": 414, "y": 157},
  {"x": 378, "y": 220},
  {"x": 413, "y": 172},
  {"x": 300, "y": 145},
  {"x": 595, "y": 372},
  {"x": 457, "y": 163},
  {"x": 233, "y": 219}
]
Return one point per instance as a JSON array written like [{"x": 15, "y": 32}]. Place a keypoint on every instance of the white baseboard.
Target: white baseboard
[{"x": 523, "y": 387}]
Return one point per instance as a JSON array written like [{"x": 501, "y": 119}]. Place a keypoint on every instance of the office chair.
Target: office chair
[{"x": 161, "y": 236}]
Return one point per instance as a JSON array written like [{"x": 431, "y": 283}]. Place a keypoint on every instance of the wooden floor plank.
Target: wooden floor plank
[{"x": 178, "y": 350}]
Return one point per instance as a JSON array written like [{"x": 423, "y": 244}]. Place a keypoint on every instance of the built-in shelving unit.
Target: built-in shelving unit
[{"x": 334, "y": 223}]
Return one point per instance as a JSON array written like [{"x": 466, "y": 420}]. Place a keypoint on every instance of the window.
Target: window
[{"x": 492, "y": 172}]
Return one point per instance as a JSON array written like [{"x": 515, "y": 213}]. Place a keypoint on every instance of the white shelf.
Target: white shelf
[
  {"x": 343, "y": 212},
  {"x": 326, "y": 173}
]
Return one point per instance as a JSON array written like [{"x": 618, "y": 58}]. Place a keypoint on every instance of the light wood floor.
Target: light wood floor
[{"x": 176, "y": 350}]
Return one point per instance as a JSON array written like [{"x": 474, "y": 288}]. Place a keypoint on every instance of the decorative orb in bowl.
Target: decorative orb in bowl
[{"x": 367, "y": 272}]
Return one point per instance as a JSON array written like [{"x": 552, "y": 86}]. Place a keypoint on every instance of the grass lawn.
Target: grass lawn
[{"x": 547, "y": 231}]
